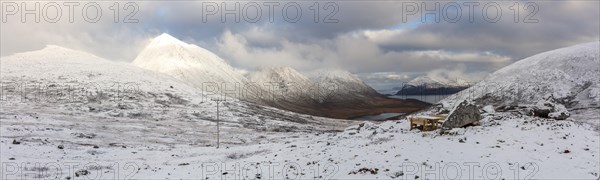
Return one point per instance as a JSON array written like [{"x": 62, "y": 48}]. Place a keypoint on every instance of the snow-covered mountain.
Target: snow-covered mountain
[
  {"x": 191, "y": 64},
  {"x": 562, "y": 78},
  {"x": 341, "y": 83},
  {"x": 282, "y": 83},
  {"x": 199, "y": 67},
  {"x": 84, "y": 83},
  {"x": 286, "y": 81},
  {"x": 329, "y": 93},
  {"x": 425, "y": 85},
  {"x": 64, "y": 81}
]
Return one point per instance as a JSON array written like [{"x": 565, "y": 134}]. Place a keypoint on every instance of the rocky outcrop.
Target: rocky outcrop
[{"x": 465, "y": 113}]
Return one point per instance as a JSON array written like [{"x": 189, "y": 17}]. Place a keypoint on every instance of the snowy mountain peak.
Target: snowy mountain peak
[
  {"x": 57, "y": 54},
  {"x": 166, "y": 39},
  {"x": 343, "y": 80},
  {"x": 186, "y": 62},
  {"x": 336, "y": 74},
  {"x": 165, "y": 36},
  {"x": 55, "y": 49}
]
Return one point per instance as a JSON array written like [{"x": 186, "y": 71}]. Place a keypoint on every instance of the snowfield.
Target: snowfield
[
  {"x": 509, "y": 148},
  {"x": 71, "y": 115}
]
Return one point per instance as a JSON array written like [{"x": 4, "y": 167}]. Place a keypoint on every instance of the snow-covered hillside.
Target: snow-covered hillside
[
  {"x": 567, "y": 76},
  {"x": 191, "y": 64},
  {"x": 341, "y": 83},
  {"x": 282, "y": 82}
]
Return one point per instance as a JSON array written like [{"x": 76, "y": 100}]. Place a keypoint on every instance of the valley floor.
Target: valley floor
[{"x": 505, "y": 146}]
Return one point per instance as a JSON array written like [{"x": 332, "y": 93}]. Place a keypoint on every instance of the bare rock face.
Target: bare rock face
[{"x": 464, "y": 114}]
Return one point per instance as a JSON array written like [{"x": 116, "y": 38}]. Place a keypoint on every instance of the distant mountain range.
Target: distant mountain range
[{"x": 425, "y": 85}]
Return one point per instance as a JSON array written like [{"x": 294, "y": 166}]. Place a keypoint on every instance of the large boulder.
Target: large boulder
[
  {"x": 465, "y": 113},
  {"x": 549, "y": 109}
]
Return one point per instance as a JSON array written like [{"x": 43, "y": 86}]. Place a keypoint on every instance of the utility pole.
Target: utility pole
[{"x": 218, "y": 130}]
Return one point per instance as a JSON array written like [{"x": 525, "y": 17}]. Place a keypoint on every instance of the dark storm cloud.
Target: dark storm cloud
[{"x": 559, "y": 24}]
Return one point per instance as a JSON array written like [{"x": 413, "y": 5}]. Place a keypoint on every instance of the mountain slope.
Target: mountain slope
[
  {"x": 556, "y": 84},
  {"x": 328, "y": 93},
  {"x": 341, "y": 84},
  {"x": 282, "y": 83},
  {"x": 189, "y": 63}
]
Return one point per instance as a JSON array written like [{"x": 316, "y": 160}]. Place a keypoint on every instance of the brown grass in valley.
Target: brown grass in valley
[{"x": 349, "y": 109}]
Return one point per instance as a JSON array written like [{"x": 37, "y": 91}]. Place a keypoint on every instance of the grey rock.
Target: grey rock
[
  {"x": 464, "y": 114},
  {"x": 550, "y": 109}
]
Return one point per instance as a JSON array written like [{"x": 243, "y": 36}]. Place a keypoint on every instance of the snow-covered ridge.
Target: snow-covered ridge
[
  {"x": 569, "y": 76},
  {"x": 286, "y": 74},
  {"x": 281, "y": 81},
  {"x": 334, "y": 74},
  {"x": 342, "y": 82}
]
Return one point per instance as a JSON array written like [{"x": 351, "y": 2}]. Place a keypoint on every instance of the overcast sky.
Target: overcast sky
[{"x": 384, "y": 42}]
